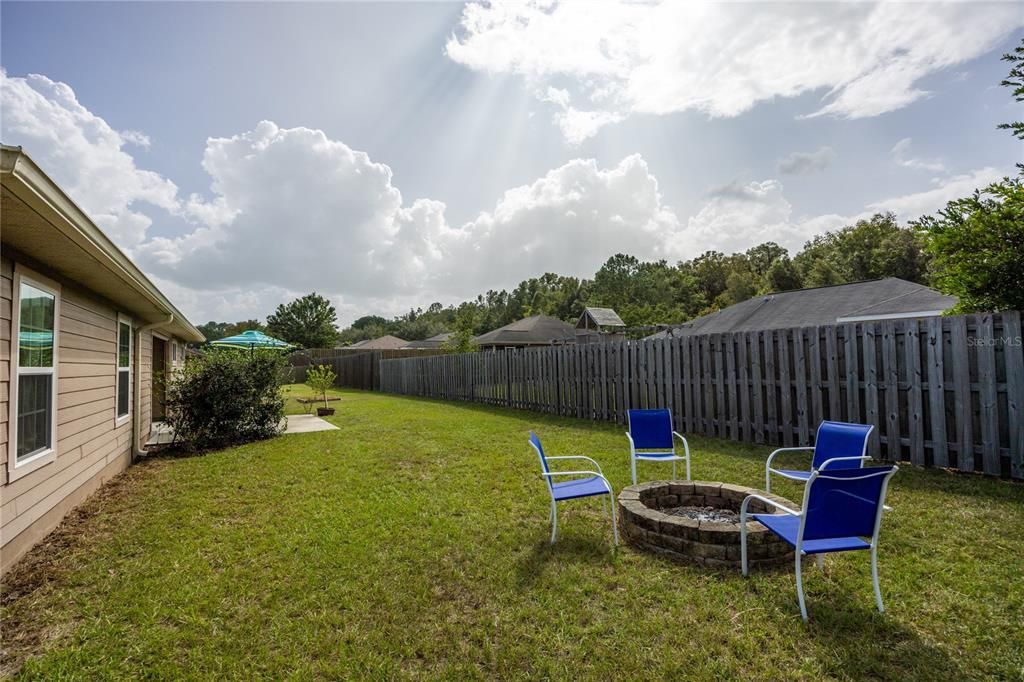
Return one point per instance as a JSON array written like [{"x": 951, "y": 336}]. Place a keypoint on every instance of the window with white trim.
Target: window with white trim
[
  {"x": 174, "y": 352},
  {"x": 124, "y": 368},
  {"x": 34, "y": 403}
]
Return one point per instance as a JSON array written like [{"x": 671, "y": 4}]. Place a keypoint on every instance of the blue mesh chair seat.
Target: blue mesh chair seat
[
  {"x": 652, "y": 438},
  {"x": 581, "y": 487},
  {"x": 788, "y": 528},
  {"x": 585, "y": 483},
  {"x": 837, "y": 445},
  {"x": 842, "y": 512}
]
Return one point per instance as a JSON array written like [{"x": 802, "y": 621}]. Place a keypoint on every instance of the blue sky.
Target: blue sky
[{"x": 421, "y": 152}]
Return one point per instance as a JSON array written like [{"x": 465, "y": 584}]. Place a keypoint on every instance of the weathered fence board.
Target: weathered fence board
[{"x": 940, "y": 391}]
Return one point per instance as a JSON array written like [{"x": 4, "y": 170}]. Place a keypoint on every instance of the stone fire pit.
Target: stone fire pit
[{"x": 698, "y": 521}]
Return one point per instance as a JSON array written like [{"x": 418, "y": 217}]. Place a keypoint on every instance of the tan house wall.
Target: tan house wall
[{"x": 90, "y": 447}]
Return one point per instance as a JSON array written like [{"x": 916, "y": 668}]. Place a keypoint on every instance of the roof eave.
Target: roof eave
[{"x": 30, "y": 184}]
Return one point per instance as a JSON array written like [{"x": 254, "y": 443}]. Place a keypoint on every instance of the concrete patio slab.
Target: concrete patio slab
[{"x": 307, "y": 423}]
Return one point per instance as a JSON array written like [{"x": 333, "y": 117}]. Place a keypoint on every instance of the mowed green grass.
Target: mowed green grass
[{"x": 413, "y": 542}]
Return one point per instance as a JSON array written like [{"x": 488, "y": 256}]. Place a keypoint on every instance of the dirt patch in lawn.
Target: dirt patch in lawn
[{"x": 28, "y": 624}]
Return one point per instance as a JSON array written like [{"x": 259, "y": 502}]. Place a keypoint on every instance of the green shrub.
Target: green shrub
[
  {"x": 226, "y": 397},
  {"x": 321, "y": 378}
]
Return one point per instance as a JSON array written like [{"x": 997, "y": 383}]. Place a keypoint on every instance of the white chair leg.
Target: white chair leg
[
  {"x": 615, "y": 525},
  {"x": 821, "y": 561},
  {"x": 767, "y": 481},
  {"x": 743, "y": 547},
  {"x": 874, "y": 580},
  {"x": 633, "y": 462},
  {"x": 800, "y": 589},
  {"x": 673, "y": 470},
  {"x": 688, "y": 467},
  {"x": 554, "y": 521}
]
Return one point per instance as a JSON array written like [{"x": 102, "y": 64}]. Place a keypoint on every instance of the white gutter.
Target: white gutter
[
  {"x": 890, "y": 316},
  {"x": 137, "y": 442}
]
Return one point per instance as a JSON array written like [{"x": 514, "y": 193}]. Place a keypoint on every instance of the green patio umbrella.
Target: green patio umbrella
[{"x": 251, "y": 339}]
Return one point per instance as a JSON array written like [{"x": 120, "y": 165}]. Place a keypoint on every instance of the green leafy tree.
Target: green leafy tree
[
  {"x": 761, "y": 258},
  {"x": 977, "y": 244},
  {"x": 308, "y": 322},
  {"x": 783, "y": 276},
  {"x": 218, "y": 330},
  {"x": 461, "y": 339},
  {"x": 822, "y": 274},
  {"x": 321, "y": 378},
  {"x": 870, "y": 249},
  {"x": 1015, "y": 80}
]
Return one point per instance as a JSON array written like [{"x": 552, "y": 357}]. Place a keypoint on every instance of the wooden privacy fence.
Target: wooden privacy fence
[
  {"x": 945, "y": 392},
  {"x": 355, "y": 369}
]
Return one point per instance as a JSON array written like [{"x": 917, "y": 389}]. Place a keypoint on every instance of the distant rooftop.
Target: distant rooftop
[
  {"x": 879, "y": 299},
  {"x": 599, "y": 318},
  {"x": 539, "y": 330},
  {"x": 386, "y": 342},
  {"x": 435, "y": 341}
]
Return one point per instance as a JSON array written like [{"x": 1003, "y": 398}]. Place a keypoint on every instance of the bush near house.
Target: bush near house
[{"x": 226, "y": 397}]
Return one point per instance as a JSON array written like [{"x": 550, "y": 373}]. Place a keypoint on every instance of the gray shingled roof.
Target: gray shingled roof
[
  {"x": 387, "y": 342},
  {"x": 872, "y": 299},
  {"x": 433, "y": 342},
  {"x": 539, "y": 330},
  {"x": 604, "y": 317}
]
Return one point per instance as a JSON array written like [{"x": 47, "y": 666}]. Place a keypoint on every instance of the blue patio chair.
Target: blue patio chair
[
  {"x": 651, "y": 438},
  {"x": 843, "y": 445},
  {"x": 841, "y": 507},
  {"x": 593, "y": 484}
]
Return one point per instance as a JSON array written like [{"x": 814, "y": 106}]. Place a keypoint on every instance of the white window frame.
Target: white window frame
[
  {"x": 121, "y": 419},
  {"x": 16, "y": 469}
]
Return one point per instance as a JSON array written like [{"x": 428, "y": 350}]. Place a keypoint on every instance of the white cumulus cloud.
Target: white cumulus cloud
[
  {"x": 901, "y": 154},
  {"x": 296, "y": 209},
  {"x": 85, "y": 155},
  {"x": 799, "y": 163},
  {"x": 612, "y": 59}
]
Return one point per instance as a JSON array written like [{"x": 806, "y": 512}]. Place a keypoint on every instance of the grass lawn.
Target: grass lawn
[{"x": 412, "y": 542}]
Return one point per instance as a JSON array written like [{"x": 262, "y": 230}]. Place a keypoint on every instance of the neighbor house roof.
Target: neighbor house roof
[
  {"x": 386, "y": 342},
  {"x": 435, "y": 341},
  {"x": 539, "y": 330},
  {"x": 43, "y": 223},
  {"x": 601, "y": 317},
  {"x": 879, "y": 299}
]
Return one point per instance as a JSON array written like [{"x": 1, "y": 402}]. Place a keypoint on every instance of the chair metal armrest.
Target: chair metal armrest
[
  {"x": 589, "y": 459},
  {"x": 768, "y": 463},
  {"x": 686, "y": 445},
  {"x": 824, "y": 465},
  {"x": 549, "y": 474},
  {"x": 748, "y": 498}
]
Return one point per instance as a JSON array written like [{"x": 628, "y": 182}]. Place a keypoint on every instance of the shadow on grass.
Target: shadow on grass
[
  {"x": 945, "y": 481},
  {"x": 858, "y": 642},
  {"x": 568, "y": 550}
]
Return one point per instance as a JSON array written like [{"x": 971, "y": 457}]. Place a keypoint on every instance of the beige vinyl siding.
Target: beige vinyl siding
[
  {"x": 6, "y": 296},
  {"x": 146, "y": 372},
  {"x": 90, "y": 447}
]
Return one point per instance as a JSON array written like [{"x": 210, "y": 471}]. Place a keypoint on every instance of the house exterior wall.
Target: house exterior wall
[{"x": 91, "y": 448}]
